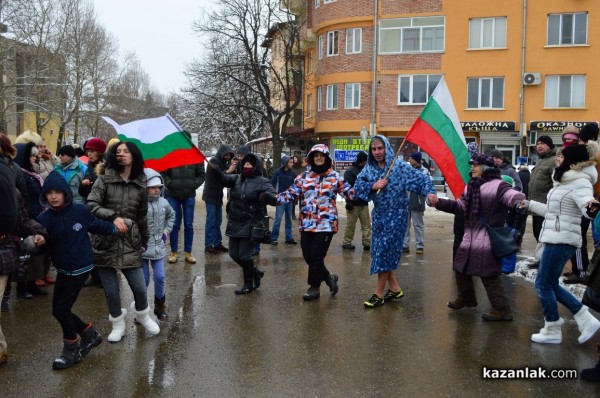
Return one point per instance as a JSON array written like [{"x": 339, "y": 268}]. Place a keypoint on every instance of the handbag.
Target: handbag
[
  {"x": 591, "y": 299},
  {"x": 501, "y": 238},
  {"x": 260, "y": 231}
]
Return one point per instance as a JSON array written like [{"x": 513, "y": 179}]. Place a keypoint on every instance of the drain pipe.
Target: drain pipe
[
  {"x": 372, "y": 130},
  {"x": 522, "y": 124}
]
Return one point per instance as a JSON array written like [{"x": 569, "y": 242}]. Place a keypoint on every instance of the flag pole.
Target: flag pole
[{"x": 394, "y": 162}]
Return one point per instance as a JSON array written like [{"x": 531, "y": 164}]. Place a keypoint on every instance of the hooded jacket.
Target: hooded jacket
[
  {"x": 113, "y": 197},
  {"x": 73, "y": 173},
  {"x": 33, "y": 181},
  {"x": 161, "y": 218},
  {"x": 68, "y": 240},
  {"x": 541, "y": 177},
  {"x": 283, "y": 179},
  {"x": 213, "y": 188},
  {"x": 350, "y": 176}
]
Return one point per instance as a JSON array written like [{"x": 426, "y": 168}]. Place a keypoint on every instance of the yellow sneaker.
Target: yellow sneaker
[
  {"x": 189, "y": 258},
  {"x": 173, "y": 257}
]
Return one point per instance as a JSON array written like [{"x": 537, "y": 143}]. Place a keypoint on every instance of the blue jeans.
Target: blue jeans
[
  {"x": 212, "y": 228},
  {"x": 286, "y": 209},
  {"x": 188, "y": 223},
  {"x": 158, "y": 267},
  {"x": 549, "y": 291}
]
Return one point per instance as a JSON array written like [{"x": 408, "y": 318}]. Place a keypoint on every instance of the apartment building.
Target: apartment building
[{"x": 515, "y": 69}]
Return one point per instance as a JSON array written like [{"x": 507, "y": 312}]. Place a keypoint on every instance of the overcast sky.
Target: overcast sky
[{"x": 159, "y": 32}]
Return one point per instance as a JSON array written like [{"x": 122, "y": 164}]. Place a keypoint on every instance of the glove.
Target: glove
[
  {"x": 164, "y": 237},
  {"x": 143, "y": 248}
]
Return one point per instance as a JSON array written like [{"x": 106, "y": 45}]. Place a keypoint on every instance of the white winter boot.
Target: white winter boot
[
  {"x": 143, "y": 318},
  {"x": 588, "y": 325},
  {"x": 550, "y": 333},
  {"x": 118, "y": 327}
]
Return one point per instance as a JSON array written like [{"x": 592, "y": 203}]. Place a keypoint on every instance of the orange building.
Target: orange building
[{"x": 515, "y": 69}]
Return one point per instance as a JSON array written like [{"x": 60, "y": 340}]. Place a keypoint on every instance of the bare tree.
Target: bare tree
[{"x": 238, "y": 77}]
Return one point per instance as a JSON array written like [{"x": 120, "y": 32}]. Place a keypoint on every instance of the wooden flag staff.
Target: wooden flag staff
[{"x": 394, "y": 162}]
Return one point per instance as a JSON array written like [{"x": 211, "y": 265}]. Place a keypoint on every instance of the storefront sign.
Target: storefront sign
[
  {"x": 488, "y": 126},
  {"x": 345, "y": 149},
  {"x": 554, "y": 125}
]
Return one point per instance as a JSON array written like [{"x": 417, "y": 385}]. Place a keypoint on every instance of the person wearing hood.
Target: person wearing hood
[
  {"x": 317, "y": 189},
  {"x": 506, "y": 168},
  {"x": 119, "y": 195},
  {"x": 72, "y": 170},
  {"x": 69, "y": 246},
  {"x": 390, "y": 212},
  {"x": 161, "y": 217},
  {"x": 212, "y": 195},
  {"x": 250, "y": 191},
  {"x": 416, "y": 210},
  {"x": 357, "y": 209},
  {"x": 282, "y": 179},
  {"x": 571, "y": 197}
]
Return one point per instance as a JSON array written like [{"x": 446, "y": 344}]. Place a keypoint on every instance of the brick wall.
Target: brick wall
[{"x": 409, "y": 6}]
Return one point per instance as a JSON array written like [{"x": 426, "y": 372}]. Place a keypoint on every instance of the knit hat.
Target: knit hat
[
  {"x": 95, "y": 144},
  {"x": 473, "y": 148},
  {"x": 575, "y": 154},
  {"x": 242, "y": 150},
  {"x": 497, "y": 154},
  {"x": 67, "y": 150},
  {"x": 480, "y": 158},
  {"x": 416, "y": 157},
  {"x": 589, "y": 132},
  {"x": 546, "y": 140},
  {"x": 361, "y": 157},
  {"x": 155, "y": 181}
]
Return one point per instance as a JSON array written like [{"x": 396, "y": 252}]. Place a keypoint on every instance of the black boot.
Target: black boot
[
  {"x": 22, "y": 291},
  {"x": 160, "y": 309},
  {"x": 592, "y": 374},
  {"x": 90, "y": 338},
  {"x": 70, "y": 355},
  {"x": 258, "y": 274},
  {"x": 248, "y": 286}
]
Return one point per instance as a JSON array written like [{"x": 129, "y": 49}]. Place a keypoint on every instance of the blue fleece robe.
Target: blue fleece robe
[{"x": 390, "y": 211}]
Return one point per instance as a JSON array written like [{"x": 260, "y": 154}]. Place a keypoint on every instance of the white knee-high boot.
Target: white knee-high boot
[
  {"x": 118, "y": 327},
  {"x": 550, "y": 333},
  {"x": 587, "y": 324},
  {"x": 143, "y": 318}
]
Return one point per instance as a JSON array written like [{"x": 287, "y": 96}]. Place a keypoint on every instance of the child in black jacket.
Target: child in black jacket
[{"x": 68, "y": 225}]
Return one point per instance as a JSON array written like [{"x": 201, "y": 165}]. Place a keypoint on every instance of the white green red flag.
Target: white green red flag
[
  {"x": 161, "y": 140},
  {"x": 437, "y": 131}
]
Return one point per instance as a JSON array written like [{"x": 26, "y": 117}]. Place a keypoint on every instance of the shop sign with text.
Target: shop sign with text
[{"x": 489, "y": 126}]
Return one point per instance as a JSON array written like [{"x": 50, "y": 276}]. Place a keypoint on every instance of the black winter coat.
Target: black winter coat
[
  {"x": 350, "y": 177},
  {"x": 213, "y": 186},
  {"x": 182, "y": 182}
]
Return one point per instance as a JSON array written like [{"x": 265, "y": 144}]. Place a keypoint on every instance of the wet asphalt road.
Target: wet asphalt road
[{"x": 272, "y": 344}]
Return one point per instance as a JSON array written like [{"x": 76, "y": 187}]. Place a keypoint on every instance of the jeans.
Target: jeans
[
  {"x": 286, "y": 209},
  {"x": 549, "y": 291},
  {"x": 188, "y": 222},
  {"x": 158, "y": 268},
  {"x": 212, "y": 228},
  {"x": 110, "y": 282},
  {"x": 66, "y": 290}
]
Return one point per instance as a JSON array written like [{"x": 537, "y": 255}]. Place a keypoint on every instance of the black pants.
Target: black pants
[
  {"x": 537, "y": 222},
  {"x": 66, "y": 291},
  {"x": 314, "y": 249},
  {"x": 240, "y": 249},
  {"x": 581, "y": 259}
]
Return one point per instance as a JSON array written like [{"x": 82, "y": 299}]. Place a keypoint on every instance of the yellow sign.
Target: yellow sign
[{"x": 350, "y": 144}]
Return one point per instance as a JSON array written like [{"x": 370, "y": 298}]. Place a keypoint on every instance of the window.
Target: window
[
  {"x": 566, "y": 91},
  {"x": 353, "y": 40},
  {"x": 320, "y": 48},
  {"x": 329, "y": 1},
  {"x": 332, "y": 96},
  {"x": 567, "y": 29},
  {"x": 406, "y": 35},
  {"x": 487, "y": 33},
  {"x": 416, "y": 89},
  {"x": 319, "y": 99},
  {"x": 333, "y": 39},
  {"x": 352, "y": 96},
  {"x": 485, "y": 93},
  {"x": 317, "y": 3},
  {"x": 309, "y": 106}
]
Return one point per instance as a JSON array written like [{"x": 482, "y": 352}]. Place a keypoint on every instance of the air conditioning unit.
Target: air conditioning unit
[{"x": 532, "y": 79}]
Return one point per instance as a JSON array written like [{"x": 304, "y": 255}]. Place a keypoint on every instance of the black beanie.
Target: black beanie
[
  {"x": 575, "y": 154},
  {"x": 497, "y": 154},
  {"x": 546, "y": 140},
  {"x": 361, "y": 157},
  {"x": 589, "y": 132},
  {"x": 67, "y": 150}
]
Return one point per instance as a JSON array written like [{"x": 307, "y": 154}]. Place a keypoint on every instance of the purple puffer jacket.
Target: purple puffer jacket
[{"x": 474, "y": 255}]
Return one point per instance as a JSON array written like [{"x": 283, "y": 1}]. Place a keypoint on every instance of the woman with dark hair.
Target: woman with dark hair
[
  {"x": 119, "y": 195},
  {"x": 486, "y": 198}
]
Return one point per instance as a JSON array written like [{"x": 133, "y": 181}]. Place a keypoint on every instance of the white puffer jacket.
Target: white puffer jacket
[{"x": 567, "y": 202}]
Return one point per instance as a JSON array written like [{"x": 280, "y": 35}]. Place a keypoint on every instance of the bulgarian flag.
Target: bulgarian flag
[
  {"x": 161, "y": 140},
  {"x": 437, "y": 131}
]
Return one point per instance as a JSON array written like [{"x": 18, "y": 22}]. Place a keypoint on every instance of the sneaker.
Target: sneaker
[
  {"x": 391, "y": 295},
  {"x": 173, "y": 257},
  {"x": 291, "y": 242},
  {"x": 312, "y": 294},
  {"x": 348, "y": 246},
  {"x": 419, "y": 250},
  {"x": 274, "y": 242},
  {"x": 211, "y": 250},
  {"x": 189, "y": 258},
  {"x": 374, "y": 301},
  {"x": 494, "y": 315},
  {"x": 405, "y": 250},
  {"x": 460, "y": 303},
  {"x": 332, "y": 282},
  {"x": 221, "y": 248},
  {"x": 49, "y": 280},
  {"x": 40, "y": 283}
]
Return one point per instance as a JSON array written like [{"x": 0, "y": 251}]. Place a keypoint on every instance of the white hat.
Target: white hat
[{"x": 155, "y": 181}]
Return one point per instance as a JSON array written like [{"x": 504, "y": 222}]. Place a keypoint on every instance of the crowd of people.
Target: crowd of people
[{"x": 97, "y": 213}]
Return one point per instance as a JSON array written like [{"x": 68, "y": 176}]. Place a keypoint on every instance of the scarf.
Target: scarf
[{"x": 473, "y": 199}]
